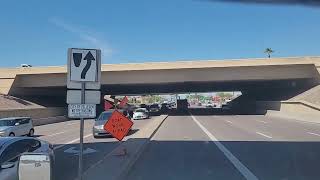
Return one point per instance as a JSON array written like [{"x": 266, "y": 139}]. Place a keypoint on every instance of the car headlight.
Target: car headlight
[
  {"x": 2, "y": 132},
  {"x": 99, "y": 127}
]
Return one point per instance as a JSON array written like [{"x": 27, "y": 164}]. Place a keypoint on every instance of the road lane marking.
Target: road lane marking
[
  {"x": 263, "y": 121},
  {"x": 229, "y": 121},
  {"x": 72, "y": 123},
  {"x": 264, "y": 135},
  {"x": 70, "y": 142},
  {"x": 236, "y": 162},
  {"x": 313, "y": 134},
  {"x": 56, "y": 134}
]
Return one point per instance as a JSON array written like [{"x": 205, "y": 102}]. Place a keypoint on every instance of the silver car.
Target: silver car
[
  {"x": 12, "y": 147},
  {"x": 16, "y": 126},
  {"x": 98, "y": 127}
]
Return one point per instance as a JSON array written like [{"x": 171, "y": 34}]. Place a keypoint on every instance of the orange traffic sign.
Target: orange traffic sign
[{"x": 118, "y": 125}]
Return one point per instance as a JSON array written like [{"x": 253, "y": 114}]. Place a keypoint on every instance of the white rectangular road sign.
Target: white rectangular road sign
[
  {"x": 84, "y": 65},
  {"x": 82, "y": 110},
  {"x": 91, "y": 97}
]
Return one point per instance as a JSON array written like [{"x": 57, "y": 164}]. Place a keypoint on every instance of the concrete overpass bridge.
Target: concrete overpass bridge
[{"x": 263, "y": 79}]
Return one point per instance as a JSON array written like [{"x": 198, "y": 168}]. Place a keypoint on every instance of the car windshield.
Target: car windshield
[
  {"x": 104, "y": 116},
  {"x": 140, "y": 110},
  {"x": 7, "y": 122}
]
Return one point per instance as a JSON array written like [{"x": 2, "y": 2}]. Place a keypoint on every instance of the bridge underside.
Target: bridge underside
[
  {"x": 260, "y": 90},
  {"x": 273, "y": 80}
]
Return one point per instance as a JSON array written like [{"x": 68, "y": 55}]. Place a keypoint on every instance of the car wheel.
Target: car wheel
[
  {"x": 31, "y": 133},
  {"x": 12, "y": 134}
]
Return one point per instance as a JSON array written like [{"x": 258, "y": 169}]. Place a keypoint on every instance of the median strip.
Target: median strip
[{"x": 116, "y": 167}]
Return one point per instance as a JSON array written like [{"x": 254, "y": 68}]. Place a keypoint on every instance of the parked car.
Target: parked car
[
  {"x": 141, "y": 113},
  {"x": 154, "y": 109},
  {"x": 16, "y": 126},
  {"x": 11, "y": 148},
  {"x": 98, "y": 126},
  {"x": 25, "y": 65}
]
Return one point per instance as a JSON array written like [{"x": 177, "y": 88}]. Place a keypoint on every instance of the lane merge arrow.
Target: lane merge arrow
[
  {"x": 73, "y": 150},
  {"x": 89, "y": 57}
]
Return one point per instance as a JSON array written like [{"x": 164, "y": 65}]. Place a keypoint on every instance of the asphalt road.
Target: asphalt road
[
  {"x": 232, "y": 147},
  {"x": 65, "y": 138}
]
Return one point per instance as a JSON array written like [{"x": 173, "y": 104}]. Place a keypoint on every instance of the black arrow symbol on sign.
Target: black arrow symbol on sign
[{"x": 89, "y": 57}]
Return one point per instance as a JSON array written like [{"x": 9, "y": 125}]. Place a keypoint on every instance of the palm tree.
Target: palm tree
[{"x": 268, "y": 51}]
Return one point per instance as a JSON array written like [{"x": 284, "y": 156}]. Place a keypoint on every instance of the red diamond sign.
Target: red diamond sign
[{"x": 118, "y": 125}]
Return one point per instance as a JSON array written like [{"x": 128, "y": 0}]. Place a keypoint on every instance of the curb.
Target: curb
[
  {"x": 140, "y": 151},
  {"x": 117, "y": 167}
]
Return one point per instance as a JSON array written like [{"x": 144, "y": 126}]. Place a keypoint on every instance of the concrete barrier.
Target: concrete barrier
[
  {"x": 47, "y": 115},
  {"x": 49, "y": 120},
  {"x": 297, "y": 110}
]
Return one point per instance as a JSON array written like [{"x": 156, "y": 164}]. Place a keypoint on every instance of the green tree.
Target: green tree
[
  {"x": 196, "y": 96},
  {"x": 154, "y": 98},
  {"x": 268, "y": 51},
  {"x": 224, "y": 95}
]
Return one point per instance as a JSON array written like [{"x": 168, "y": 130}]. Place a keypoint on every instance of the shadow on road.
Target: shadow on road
[
  {"x": 66, "y": 158},
  {"x": 191, "y": 160}
]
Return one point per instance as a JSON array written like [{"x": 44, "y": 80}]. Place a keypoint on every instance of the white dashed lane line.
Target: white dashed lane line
[
  {"x": 229, "y": 122},
  {"x": 70, "y": 142},
  {"x": 234, "y": 160},
  {"x": 315, "y": 134},
  {"x": 264, "y": 135},
  {"x": 263, "y": 122},
  {"x": 56, "y": 134}
]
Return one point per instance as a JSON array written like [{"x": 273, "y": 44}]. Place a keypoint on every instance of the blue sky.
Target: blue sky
[{"x": 39, "y": 32}]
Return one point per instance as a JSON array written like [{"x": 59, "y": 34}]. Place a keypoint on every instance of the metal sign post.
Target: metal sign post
[
  {"x": 83, "y": 98},
  {"x": 83, "y": 81}
]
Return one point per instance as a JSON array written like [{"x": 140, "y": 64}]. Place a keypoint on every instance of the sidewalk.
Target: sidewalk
[{"x": 114, "y": 166}]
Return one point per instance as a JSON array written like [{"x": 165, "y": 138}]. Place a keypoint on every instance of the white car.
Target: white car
[
  {"x": 16, "y": 126},
  {"x": 141, "y": 113}
]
